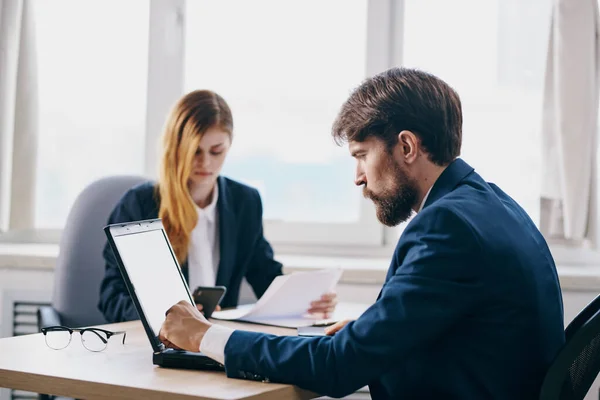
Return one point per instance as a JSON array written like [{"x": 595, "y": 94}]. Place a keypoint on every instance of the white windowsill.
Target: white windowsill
[
  {"x": 356, "y": 270},
  {"x": 33, "y": 256}
]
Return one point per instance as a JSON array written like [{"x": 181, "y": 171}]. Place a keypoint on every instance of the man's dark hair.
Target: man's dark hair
[{"x": 404, "y": 99}]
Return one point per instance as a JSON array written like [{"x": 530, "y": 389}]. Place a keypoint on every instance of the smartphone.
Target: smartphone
[
  {"x": 209, "y": 297},
  {"x": 311, "y": 331}
]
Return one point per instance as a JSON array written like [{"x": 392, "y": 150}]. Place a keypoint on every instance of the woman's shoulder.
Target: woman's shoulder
[
  {"x": 145, "y": 191},
  {"x": 139, "y": 202}
]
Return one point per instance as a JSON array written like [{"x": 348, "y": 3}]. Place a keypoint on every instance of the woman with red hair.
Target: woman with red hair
[{"x": 214, "y": 223}]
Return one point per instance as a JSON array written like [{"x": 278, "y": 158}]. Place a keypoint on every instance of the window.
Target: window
[
  {"x": 285, "y": 73},
  {"x": 493, "y": 53},
  {"x": 92, "y": 61},
  {"x": 108, "y": 77},
  {"x": 109, "y": 72}
]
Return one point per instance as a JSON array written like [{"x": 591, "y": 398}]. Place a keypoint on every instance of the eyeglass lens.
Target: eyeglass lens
[
  {"x": 94, "y": 340},
  {"x": 91, "y": 339},
  {"x": 58, "y": 339}
]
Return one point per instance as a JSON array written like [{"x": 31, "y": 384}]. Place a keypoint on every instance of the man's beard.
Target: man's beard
[{"x": 394, "y": 204}]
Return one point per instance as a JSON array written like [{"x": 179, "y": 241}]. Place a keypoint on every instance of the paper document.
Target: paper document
[{"x": 287, "y": 300}]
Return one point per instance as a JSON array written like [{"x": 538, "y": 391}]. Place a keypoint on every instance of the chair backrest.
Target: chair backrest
[
  {"x": 577, "y": 364},
  {"x": 80, "y": 264}
]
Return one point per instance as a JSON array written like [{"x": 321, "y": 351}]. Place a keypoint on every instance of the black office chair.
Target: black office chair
[{"x": 577, "y": 364}]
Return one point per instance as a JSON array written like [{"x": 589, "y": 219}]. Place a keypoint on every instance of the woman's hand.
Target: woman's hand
[
  {"x": 331, "y": 330},
  {"x": 324, "y": 306}
]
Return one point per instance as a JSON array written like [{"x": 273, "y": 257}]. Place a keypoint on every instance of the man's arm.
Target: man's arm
[{"x": 433, "y": 289}]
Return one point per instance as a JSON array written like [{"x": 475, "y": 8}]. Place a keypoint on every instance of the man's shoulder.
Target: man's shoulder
[
  {"x": 445, "y": 215},
  {"x": 464, "y": 205},
  {"x": 473, "y": 215},
  {"x": 443, "y": 225}
]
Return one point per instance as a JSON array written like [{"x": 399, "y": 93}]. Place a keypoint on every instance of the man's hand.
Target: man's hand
[
  {"x": 331, "y": 330},
  {"x": 184, "y": 327},
  {"x": 324, "y": 306}
]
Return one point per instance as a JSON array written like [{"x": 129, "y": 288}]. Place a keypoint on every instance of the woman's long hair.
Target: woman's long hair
[{"x": 193, "y": 115}]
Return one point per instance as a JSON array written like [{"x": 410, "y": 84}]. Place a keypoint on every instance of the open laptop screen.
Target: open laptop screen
[{"x": 151, "y": 269}]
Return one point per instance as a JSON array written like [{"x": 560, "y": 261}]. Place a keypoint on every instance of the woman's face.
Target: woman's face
[{"x": 210, "y": 156}]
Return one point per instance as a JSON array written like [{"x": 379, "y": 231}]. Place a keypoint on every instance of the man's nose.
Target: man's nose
[{"x": 360, "y": 179}]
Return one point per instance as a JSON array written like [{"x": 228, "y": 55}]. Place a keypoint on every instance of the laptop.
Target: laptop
[{"x": 155, "y": 282}]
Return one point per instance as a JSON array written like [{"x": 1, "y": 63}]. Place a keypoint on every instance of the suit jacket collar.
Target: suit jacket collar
[{"x": 455, "y": 172}]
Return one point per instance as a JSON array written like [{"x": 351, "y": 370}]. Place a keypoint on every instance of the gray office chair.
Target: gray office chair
[{"x": 80, "y": 265}]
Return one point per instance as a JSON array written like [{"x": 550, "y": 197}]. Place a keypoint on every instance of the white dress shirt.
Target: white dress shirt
[
  {"x": 215, "y": 339},
  {"x": 425, "y": 199},
  {"x": 204, "y": 251}
]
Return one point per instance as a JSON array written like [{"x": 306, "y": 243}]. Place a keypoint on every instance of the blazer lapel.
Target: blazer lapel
[{"x": 227, "y": 234}]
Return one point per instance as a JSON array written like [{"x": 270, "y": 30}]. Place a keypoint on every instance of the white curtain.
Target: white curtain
[
  {"x": 18, "y": 115},
  {"x": 570, "y": 114}
]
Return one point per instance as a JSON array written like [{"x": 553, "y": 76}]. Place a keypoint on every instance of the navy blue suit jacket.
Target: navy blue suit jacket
[
  {"x": 244, "y": 252},
  {"x": 471, "y": 309}
]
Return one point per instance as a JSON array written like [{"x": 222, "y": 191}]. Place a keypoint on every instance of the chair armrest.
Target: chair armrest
[{"x": 47, "y": 316}]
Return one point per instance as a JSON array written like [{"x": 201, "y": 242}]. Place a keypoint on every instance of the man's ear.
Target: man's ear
[{"x": 408, "y": 146}]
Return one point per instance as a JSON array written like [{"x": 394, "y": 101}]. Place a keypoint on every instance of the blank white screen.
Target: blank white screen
[{"x": 153, "y": 273}]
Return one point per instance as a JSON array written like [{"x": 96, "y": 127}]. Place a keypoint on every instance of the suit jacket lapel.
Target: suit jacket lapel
[{"x": 227, "y": 234}]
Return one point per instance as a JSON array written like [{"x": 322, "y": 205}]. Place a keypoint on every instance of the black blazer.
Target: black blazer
[{"x": 244, "y": 252}]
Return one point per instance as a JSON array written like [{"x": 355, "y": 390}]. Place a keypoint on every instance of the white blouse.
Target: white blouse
[{"x": 204, "y": 250}]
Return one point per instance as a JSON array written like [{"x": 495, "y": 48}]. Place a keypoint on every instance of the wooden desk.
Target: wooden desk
[{"x": 126, "y": 371}]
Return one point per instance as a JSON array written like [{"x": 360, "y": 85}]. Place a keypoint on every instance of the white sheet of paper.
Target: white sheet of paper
[{"x": 286, "y": 300}]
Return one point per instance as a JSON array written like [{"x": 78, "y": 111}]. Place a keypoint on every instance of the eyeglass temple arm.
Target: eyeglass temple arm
[
  {"x": 124, "y": 333},
  {"x": 110, "y": 333}
]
